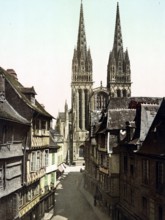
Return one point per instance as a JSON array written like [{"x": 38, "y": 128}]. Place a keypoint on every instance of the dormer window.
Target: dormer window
[
  {"x": 29, "y": 93},
  {"x": 32, "y": 99}
]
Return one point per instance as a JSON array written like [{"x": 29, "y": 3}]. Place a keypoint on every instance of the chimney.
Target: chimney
[
  {"x": 12, "y": 73},
  {"x": 128, "y": 131},
  {"x": 2, "y": 88}
]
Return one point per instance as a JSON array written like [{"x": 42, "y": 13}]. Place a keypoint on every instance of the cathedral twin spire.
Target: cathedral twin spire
[
  {"x": 82, "y": 61},
  {"x": 118, "y": 71}
]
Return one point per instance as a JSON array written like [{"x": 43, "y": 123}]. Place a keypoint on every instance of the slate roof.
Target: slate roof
[
  {"x": 118, "y": 103},
  {"x": 154, "y": 144},
  {"x": 148, "y": 113},
  {"x": 132, "y": 102},
  {"x": 19, "y": 88},
  {"x": 95, "y": 117},
  {"x": 7, "y": 112},
  {"x": 117, "y": 118},
  {"x": 134, "y": 109},
  {"x": 28, "y": 90}
]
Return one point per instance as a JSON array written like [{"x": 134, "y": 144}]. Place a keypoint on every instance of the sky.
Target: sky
[{"x": 38, "y": 38}]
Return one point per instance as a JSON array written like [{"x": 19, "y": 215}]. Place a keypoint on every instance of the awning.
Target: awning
[{"x": 61, "y": 168}]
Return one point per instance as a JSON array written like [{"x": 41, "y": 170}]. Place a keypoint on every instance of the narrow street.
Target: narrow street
[{"x": 71, "y": 204}]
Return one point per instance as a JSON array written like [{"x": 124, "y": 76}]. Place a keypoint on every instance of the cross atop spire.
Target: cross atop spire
[{"x": 118, "y": 42}]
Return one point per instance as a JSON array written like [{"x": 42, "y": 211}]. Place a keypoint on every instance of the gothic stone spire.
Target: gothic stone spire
[
  {"x": 82, "y": 61},
  {"x": 118, "y": 71},
  {"x": 81, "y": 42},
  {"x": 118, "y": 42}
]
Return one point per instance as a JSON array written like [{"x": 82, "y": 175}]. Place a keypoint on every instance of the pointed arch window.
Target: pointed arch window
[
  {"x": 124, "y": 93},
  {"x": 81, "y": 152},
  {"x": 118, "y": 93}
]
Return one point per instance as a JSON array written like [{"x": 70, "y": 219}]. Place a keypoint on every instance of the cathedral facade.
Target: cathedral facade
[
  {"x": 81, "y": 87},
  {"x": 86, "y": 99}
]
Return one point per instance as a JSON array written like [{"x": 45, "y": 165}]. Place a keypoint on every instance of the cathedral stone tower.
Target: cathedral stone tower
[
  {"x": 81, "y": 87},
  {"x": 118, "y": 71}
]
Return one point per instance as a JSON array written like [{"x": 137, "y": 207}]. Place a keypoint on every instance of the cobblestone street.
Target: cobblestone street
[{"x": 71, "y": 202}]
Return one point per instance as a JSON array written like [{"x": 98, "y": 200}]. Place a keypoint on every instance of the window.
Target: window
[
  {"x": 46, "y": 183},
  {"x": 104, "y": 161},
  {"x": 144, "y": 205},
  {"x": 29, "y": 195},
  {"x": 53, "y": 158},
  {"x": 145, "y": 171},
  {"x": 160, "y": 213},
  {"x": 48, "y": 125},
  {"x": 1, "y": 176},
  {"x": 37, "y": 124},
  {"x": 46, "y": 158},
  {"x": 4, "y": 132},
  {"x": 43, "y": 158},
  {"x": 125, "y": 164},
  {"x": 33, "y": 161},
  {"x": 43, "y": 124},
  {"x": 124, "y": 93},
  {"x": 125, "y": 191},
  {"x": 131, "y": 166},
  {"x": 132, "y": 197},
  {"x": 132, "y": 169},
  {"x": 81, "y": 152},
  {"x": 38, "y": 161},
  {"x": 80, "y": 108},
  {"x": 52, "y": 178},
  {"x": 20, "y": 199},
  {"x": 118, "y": 93},
  {"x": 159, "y": 175}
]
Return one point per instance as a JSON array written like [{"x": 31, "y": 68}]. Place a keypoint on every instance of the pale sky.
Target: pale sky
[{"x": 38, "y": 38}]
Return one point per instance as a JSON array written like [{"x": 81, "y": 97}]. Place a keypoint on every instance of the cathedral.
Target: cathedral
[{"x": 86, "y": 99}]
